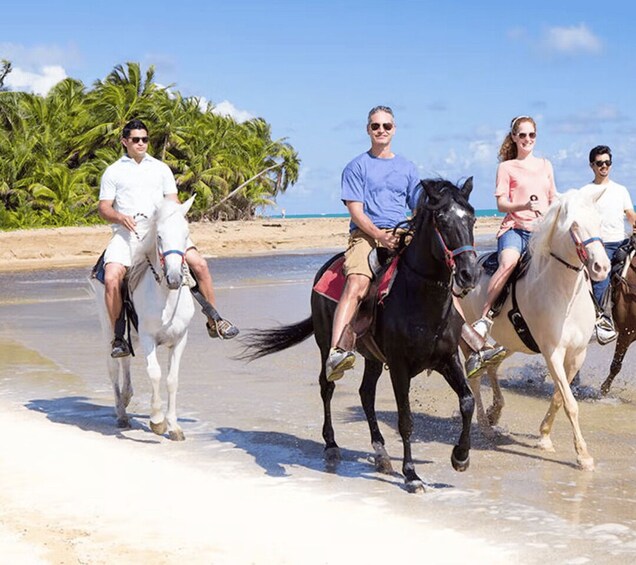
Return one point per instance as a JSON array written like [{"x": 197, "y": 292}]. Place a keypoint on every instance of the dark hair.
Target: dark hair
[
  {"x": 599, "y": 150},
  {"x": 379, "y": 109},
  {"x": 131, "y": 125}
]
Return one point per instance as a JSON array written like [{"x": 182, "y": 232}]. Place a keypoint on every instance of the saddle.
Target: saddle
[
  {"x": 490, "y": 263},
  {"x": 360, "y": 330}
]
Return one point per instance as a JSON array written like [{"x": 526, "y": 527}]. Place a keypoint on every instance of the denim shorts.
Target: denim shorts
[{"x": 514, "y": 239}]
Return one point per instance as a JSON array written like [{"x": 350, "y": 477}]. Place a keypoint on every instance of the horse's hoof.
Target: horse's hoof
[
  {"x": 160, "y": 428},
  {"x": 332, "y": 455},
  {"x": 415, "y": 487},
  {"x": 586, "y": 463},
  {"x": 458, "y": 464},
  {"x": 545, "y": 444},
  {"x": 176, "y": 435},
  {"x": 383, "y": 465},
  {"x": 123, "y": 423},
  {"x": 605, "y": 388},
  {"x": 381, "y": 459}
]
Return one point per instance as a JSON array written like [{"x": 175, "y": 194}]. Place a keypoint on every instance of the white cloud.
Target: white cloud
[
  {"x": 39, "y": 82},
  {"x": 571, "y": 40},
  {"x": 226, "y": 108},
  {"x": 38, "y": 56}
]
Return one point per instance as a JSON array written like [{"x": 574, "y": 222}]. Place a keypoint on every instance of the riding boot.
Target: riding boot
[{"x": 119, "y": 345}]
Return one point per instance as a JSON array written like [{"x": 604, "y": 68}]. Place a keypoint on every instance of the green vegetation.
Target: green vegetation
[{"x": 54, "y": 149}]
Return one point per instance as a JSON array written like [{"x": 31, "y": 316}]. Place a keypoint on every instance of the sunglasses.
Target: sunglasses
[
  {"x": 387, "y": 127},
  {"x": 138, "y": 139},
  {"x": 531, "y": 135},
  {"x": 600, "y": 164}
]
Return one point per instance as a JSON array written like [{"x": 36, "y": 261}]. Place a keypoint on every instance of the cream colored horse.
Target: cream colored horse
[{"x": 554, "y": 299}]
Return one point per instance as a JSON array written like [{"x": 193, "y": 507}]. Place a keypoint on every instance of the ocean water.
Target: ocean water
[
  {"x": 485, "y": 213},
  {"x": 264, "y": 418}
]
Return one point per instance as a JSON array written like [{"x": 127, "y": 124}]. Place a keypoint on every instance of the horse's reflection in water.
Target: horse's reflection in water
[
  {"x": 417, "y": 327},
  {"x": 164, "y": 307}
]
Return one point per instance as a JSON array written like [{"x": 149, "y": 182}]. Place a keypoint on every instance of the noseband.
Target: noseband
[
  {"x": 581, "y": 250},
  {"x": 449, "y": 255}
]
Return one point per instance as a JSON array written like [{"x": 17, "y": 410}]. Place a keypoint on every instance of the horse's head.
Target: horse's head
[
  {"x": 571, "y": 233},
  {"x": 445, "y": 207},
  {"x": 172, "y": 238}
]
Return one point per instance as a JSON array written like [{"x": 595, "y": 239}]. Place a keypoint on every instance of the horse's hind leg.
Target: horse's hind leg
[
  {"x": 622, "y": 344},
  {"x": 372, "y": 372},
  {"x": 332, "y": 451},
  {"x": 454, "y": 375},
  {"x": 175, "y": 432},
  {"x": 114, "y": 367}
]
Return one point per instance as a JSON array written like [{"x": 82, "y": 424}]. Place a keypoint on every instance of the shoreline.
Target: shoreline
[{"x": 67, "y": 247}]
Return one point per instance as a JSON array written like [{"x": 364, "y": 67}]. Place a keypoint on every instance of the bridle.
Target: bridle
[
  {"x": 449, "y": 255},
  {"x": 162, "y": 255},
  {"x": 581, "y": 250}
]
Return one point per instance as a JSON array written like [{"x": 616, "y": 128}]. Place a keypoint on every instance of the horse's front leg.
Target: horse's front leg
[
  {"x": 172, "y": 382},
  {"x": 401, "y": 381},
  {"x": 157, "y": 419},
  {"x": 454, "y": 375},
  {"x": 563, "y": 394},
  {"x": 372, "y": 372}
]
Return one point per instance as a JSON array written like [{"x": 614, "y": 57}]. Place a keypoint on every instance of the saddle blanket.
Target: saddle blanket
[{"x": 332, "y": 282}]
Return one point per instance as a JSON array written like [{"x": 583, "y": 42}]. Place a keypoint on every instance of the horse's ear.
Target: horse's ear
[
  {"x": 186, "y": 206},
  {"x": 431, "y": 190},
  {"x": 467, "y": 188}
]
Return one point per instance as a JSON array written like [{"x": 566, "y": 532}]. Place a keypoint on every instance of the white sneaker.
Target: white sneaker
[
  {"x": 604, "y": 330},
  {"x": 482, "y": 326},
  {"x": 604, "y": 335},
  {"x": 338, "y": 362}
]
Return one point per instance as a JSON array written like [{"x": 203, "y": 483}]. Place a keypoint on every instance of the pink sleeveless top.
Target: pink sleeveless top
[{"x": 518, "y": 183}]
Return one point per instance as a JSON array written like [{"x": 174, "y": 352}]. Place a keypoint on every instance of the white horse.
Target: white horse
[
  {"x": 164, "y": 307},
  {"x": 554, "y": 299}
]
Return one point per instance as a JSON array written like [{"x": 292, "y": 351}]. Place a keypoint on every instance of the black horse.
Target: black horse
[{"x": 416, "y": 327}]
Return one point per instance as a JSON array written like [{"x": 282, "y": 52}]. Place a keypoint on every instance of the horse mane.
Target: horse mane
[
  {"x": 559, "y": 216},
  {"x": 147, "y": 248},
  {"x": 444, "y": 191}
]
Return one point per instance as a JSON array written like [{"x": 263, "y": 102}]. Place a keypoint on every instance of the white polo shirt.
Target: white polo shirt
[
  {"x": 612, "y": 205},
  {"x": 137, "y": 188}
]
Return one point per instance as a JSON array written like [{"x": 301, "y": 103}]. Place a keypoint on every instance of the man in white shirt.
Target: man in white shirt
[
  {"x": 615, "y": 205},
  {"x": 134, "y": 186}
]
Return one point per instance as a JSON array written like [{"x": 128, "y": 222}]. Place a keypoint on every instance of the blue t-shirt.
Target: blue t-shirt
[{"x": 386, "y": 187}]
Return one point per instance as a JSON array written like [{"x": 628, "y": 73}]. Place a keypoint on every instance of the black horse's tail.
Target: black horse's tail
[{"x": 259, "y": 343}]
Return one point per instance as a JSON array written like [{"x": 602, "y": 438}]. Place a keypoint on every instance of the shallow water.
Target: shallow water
[{"x": 265, "y": 418}]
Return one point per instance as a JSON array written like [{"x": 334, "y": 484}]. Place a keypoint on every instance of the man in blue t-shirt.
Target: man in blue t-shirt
[{"x": 378, "y": 188}]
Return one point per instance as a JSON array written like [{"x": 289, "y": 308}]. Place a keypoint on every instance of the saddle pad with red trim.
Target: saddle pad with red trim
[{"x": 332, "y": 282}]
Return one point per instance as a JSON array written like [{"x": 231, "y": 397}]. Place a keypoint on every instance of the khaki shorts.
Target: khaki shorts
[{"x": 357, "y": 254}]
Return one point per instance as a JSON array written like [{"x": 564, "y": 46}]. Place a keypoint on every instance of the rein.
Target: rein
[{"x": 581, "y": 250}]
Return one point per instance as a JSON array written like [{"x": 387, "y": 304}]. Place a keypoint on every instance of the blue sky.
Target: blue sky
[{"x": 454, "y": 72}]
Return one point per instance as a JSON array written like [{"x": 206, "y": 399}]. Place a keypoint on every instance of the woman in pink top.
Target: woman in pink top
[{"x": 525, "y": 189}]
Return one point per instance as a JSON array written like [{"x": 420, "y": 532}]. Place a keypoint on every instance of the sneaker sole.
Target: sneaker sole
[{"x": 339, "y": 370}]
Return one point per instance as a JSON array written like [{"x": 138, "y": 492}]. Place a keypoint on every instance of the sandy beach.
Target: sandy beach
[
  {"x": 80, "y": 246},
  {"x": 248, "y": 486}
]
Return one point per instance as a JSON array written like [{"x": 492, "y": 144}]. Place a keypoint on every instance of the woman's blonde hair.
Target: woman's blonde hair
[{"x": 508, "y": 149}]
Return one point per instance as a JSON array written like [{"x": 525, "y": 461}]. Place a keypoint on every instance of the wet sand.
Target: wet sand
[{"x": 249, "y": 484}]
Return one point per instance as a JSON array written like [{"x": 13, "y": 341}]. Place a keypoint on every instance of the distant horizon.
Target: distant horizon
[{"x": 484, "y": 213}]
